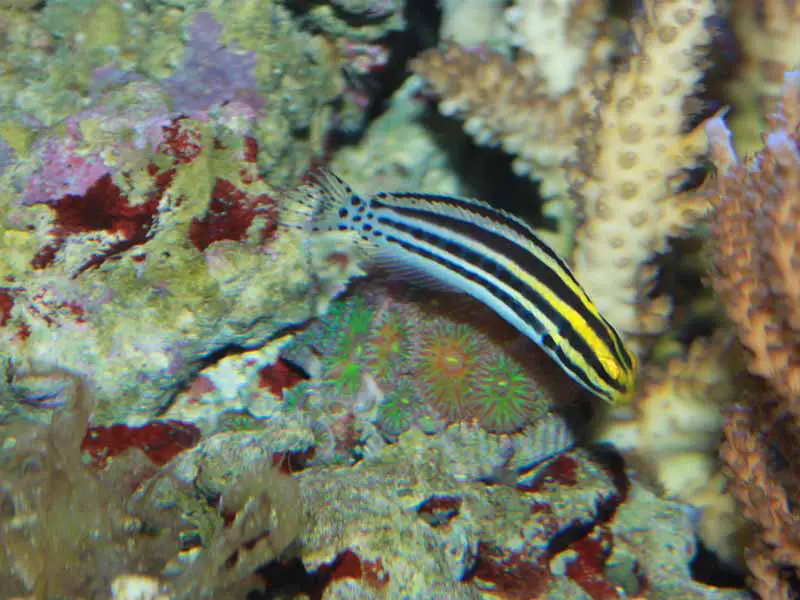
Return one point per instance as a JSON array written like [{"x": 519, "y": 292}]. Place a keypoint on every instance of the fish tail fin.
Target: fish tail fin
[{"x": 314, "y": 206}]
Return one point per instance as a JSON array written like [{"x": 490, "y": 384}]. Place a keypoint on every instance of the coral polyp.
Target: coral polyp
[
  {"x": 420, "y": 367},
  {"x": 504, "y": 398},
  {"x": 447, "y": 361},
  {"x": 338, "y": 339},
  {"x": 396, "y": 413},
  {"x": 390, "y": 346}
]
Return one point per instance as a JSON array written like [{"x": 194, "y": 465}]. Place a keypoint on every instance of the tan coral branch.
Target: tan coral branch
[
  {"x": 633, "y": 161},
  {"x": 756, "y": 230},
  {"x": 506, "y": 104}
]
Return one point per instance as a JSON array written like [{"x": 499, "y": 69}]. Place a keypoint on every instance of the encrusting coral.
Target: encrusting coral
[
  {"x": 386, "y": 346},
  {"x": 756, "y": 235}
]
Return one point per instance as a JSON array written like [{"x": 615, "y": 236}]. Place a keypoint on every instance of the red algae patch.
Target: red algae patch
[
  {"x": 161, "y": 441},
  {"x": 103, "y": 207}
]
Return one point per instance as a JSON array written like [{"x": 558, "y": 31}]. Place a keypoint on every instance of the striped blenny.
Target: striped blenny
[{"x": 468, "y": 246}]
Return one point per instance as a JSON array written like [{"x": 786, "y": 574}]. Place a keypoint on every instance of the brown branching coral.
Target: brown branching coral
[
  {"x": 756, "y": 227},
  {"x": 508, "y": 104},
  {"x": 756, "y": 230}
]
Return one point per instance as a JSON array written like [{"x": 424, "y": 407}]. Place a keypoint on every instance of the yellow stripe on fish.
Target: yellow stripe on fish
[{"x": 469, "y": 246}]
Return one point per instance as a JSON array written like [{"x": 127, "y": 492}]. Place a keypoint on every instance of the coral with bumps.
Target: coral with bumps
[
  {"x": 757, "y": 237},
  {"x": 423, "y": 366},
  {"x": 506, "y": 104},
  {"x": 633, "y": 161},
  {"x": 619, "y": 130},
  {"x": 756, "y": 234}
]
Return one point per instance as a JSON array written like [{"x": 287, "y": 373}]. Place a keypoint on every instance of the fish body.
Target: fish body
[{"x": 468, "y": 246}]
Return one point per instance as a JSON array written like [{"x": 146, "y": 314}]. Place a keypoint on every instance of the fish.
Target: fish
[{"x": 468, "y": 246}]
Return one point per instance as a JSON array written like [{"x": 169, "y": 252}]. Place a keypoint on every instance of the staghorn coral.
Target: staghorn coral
[
  {"x": 506, "y": 103},
  {"x": 620, "y": 130},
  {"x": 756, "y": 234},
  {"x": 633, "y": 160},
  {"x": 757, "y": 238}
]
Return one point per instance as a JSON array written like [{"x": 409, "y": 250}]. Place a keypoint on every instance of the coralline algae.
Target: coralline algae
[{"x": 136, "y": 243}]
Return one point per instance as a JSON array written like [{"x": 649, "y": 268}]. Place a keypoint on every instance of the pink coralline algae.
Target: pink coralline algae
[{"x": 70, "y": 163}]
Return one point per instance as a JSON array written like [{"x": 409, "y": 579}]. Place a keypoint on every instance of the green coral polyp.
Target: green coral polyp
[
  {"x": 447, "y": 363},
  {"x": 503, "y": 395},
  {"x": 347, "y": 377},
  {"x": 430, "y": 369},
  {"x": 390, "y": 347},
  {"x": 396, "y": 412}
]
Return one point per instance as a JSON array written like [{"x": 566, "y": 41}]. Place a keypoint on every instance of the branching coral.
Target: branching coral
[
  {"x": 620, "y": 132},
  {"x": 507, "y": 104},
  {"x": 561, "y": 34},
  {"x": 633, "y": 162},
  {"x": 756, "y": 230},
  {"x": 768, "y": 35}
]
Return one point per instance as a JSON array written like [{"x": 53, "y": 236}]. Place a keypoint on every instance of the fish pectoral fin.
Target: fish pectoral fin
[{"x": 395, "y": 268}]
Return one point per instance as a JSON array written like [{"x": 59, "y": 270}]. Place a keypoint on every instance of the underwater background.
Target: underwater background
[{"x": 202, "y": 395}]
